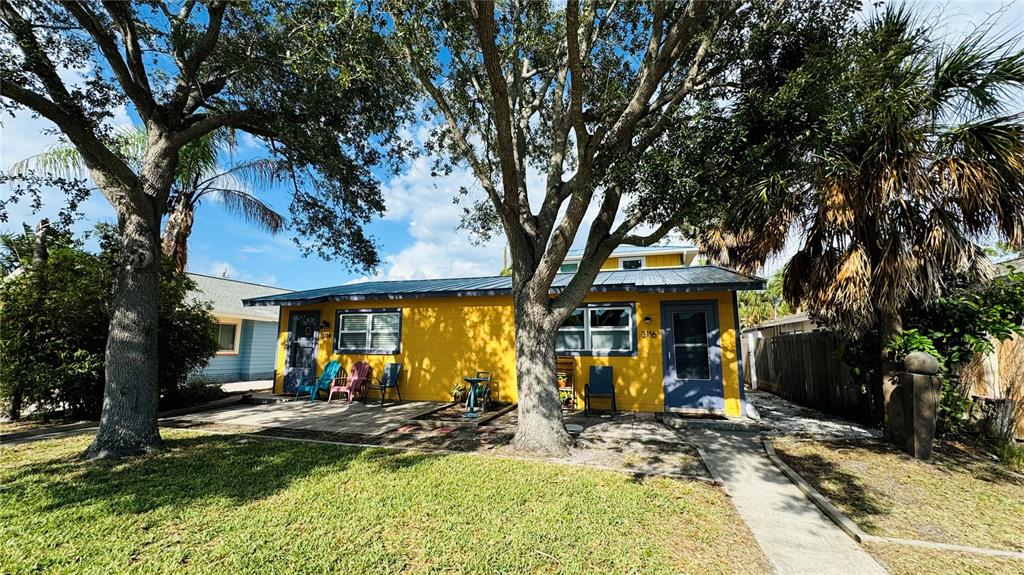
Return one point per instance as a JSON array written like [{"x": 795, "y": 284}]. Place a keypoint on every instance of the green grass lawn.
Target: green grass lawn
[
  {"x": 229, "y": 504},
  {"x": 962, "y": 496}
]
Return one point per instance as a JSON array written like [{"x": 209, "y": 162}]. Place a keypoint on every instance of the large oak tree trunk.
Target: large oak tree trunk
[
  {"x": 128, "y": 424},
  {"x": 541, "y": 428}
]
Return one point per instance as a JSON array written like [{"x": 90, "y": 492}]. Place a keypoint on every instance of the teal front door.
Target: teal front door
[{"x": 692, "y": 357}]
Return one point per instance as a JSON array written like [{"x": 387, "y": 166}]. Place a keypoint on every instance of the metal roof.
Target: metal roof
[
  {"x": 226, "y": 296},
  {"x": 650, "y": 280}
]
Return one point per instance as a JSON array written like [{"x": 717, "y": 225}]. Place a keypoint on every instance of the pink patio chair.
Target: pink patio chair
[{"x": 354, "y": 384}]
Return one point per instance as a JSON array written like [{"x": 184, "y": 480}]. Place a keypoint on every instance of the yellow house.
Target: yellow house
[{"x": 670, "y": 333}]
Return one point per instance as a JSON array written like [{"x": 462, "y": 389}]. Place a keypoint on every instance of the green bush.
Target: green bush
[{"x": 55, "y": 320}]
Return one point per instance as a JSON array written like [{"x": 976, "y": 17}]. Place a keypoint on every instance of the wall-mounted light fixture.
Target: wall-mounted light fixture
[
  {"x": 647, "y": 319},
  {"x": 325, "y": 325}
]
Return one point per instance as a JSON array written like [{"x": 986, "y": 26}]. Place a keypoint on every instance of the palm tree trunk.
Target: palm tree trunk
[
  {"x": 890, "y": 326},
  {"x": 176, "y": 233},
  {"x": 40, "y": 255}
]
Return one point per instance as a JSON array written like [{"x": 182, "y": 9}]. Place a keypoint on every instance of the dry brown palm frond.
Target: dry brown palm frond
[
  {"x": 1010, "y": 218},
  {"x": 893, "y": 281},
  {"x": 794, "y": 278},
  {"x": 945, "y": 243},
  {"x": 843, "y": 290},
  {"x": 835, "y": 207},
  {"x": 713, "y": 246}
]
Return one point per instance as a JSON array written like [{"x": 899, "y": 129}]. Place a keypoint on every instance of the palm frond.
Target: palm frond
[
  {"x": 250, "y": 208},
  {"x": 62, "y": 160},
  {"x": 976, "y": 75},
  {"x": 255, "y": 176}
]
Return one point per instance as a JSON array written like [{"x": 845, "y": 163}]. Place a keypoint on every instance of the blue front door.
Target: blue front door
[
  {"x": 300, "y": 360},
  {"x": 692, "y": 356}
]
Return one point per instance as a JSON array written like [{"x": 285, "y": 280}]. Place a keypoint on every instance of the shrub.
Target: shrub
[{"x": 56, "y": 316}]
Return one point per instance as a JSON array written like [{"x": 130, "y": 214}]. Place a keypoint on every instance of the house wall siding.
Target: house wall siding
[
  {"x": 445, "y": 339},
  {"x": 255, "y": 358},
  {"x": 261, "y": 350},
  {"x": 653, "y": 261}
]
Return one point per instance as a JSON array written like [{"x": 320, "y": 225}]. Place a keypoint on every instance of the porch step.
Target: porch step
[
  {"x": 267, "y": 398},
  {"x": 683, "y": 423}
]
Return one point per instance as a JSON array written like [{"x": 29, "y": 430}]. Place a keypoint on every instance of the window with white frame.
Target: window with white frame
[
  {"x": 569, "y": 268},
  {"x": 597, "y": 330},
  {"x": 632, "y": 263},
  {"x": 368, "y": 331},
  {"x": 227, "y": 337}
]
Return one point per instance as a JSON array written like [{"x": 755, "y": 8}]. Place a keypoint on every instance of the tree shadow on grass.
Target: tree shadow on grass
[
  {"x": 841, "y": 487},
  {"x": 235, "y": 469},
  {"x": 953, "y": 457}
]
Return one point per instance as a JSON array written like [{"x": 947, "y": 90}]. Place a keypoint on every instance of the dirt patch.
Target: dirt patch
[
  {"x": 668, "y": 458},
  {"x": 959, "y": 497}
]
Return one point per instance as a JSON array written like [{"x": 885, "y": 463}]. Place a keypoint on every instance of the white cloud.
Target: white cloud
[
  {"x": 439, "y": 249},
  {"x": 251, "y": 250}
]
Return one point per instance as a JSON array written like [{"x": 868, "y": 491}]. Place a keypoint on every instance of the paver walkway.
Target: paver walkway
[
  {"x": 794, "y": 535},
  {"x": 782, "y": 417}
]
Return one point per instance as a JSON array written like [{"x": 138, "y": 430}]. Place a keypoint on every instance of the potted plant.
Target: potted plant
[
  {"x": 567, "y": 399},
  {"x": 458, "y": 392}
]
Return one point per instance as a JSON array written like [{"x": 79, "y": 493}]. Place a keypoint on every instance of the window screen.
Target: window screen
[{"x": 226, "y": 336}]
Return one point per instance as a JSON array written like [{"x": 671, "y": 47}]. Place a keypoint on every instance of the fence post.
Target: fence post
[{"x": 919, "y": 387}]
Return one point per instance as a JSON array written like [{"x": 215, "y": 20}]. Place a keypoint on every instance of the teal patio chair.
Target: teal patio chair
[
  {"x": 328, "y": 376},
  {"x": 600, "y": 386},
  {"x": 388, "y": 380}
]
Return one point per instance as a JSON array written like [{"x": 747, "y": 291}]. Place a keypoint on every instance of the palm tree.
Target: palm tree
[
  {"x": 200, "y": 176},
  {"x": 920, "y": 157},
  {"x": 921, "y": 160}
]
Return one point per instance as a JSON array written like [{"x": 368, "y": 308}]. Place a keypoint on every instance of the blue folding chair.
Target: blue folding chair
[
  {"x": 324, "y": 383},
  {"x": 600, "y": 386},
  {"x": 388, "y": 380}
]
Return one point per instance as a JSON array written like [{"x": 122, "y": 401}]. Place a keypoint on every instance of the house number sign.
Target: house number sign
[{"x": 653, "y": 334}]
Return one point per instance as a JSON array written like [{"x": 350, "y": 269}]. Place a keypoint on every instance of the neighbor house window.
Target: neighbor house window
[
  {"x": 568, "y": 268},
  {"x": 226, "y": 337},
  {"x": 598, "y": 329},
  {"x": 368, "y": 331},
  {"x": 631, "y": 263}
]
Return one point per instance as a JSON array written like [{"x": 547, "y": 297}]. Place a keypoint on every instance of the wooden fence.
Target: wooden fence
[{"x": 805, "y": 368}]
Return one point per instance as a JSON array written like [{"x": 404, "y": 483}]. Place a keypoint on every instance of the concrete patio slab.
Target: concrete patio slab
[
  {"x": 243, "y": 386},
  {"x": 336, "y": 417}
]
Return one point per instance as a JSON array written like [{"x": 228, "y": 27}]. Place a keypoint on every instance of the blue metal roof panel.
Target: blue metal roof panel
[{"x": 657, "y": 280}]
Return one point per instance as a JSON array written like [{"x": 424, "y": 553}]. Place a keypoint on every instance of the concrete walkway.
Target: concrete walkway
[{"x": 794, "y": 535}]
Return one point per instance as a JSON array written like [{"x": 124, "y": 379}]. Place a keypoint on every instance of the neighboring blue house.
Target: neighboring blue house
[{"x": 247, "y": 335}]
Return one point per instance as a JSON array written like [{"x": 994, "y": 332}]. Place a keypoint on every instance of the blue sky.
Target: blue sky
[{"x": 417, "y": 236}]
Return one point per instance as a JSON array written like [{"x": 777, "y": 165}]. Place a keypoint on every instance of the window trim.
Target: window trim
[
  {"x": 369, "y": 331},
  {"x": 238, "y": 336},
  {"x": 588, "y": 351},
  {"x": 643, "y": 261}
]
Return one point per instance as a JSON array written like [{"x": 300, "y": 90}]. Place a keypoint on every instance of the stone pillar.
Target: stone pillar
[{"x": 919, "y": 388}]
